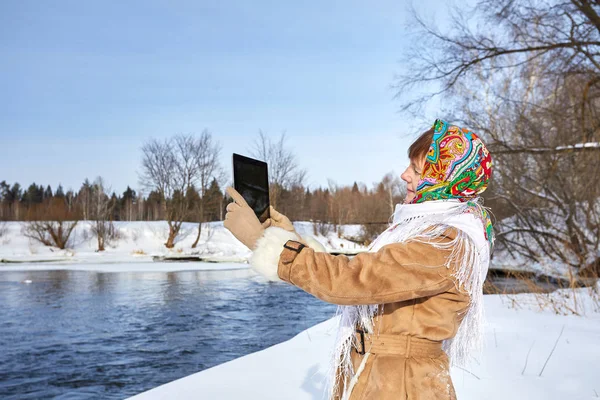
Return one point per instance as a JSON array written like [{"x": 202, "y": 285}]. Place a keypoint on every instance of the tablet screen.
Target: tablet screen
[{"x": 251, "y": 180}]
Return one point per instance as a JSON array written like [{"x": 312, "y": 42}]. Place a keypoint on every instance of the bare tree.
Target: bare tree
[
  {"x": 101, "y": 209},
  {"x": 340, "y": 204},
  {"x": 394, "y": 190},
  {"x": 542, "y": 175},
  {"x": 284, "y": 171},
  {"x": 208, "y": 168},
  {"x": 563, "y": 36},
  {"x": 51, "y": 223},
  {"x": 527, "y": 79},
  {"x": 376, "y": 207},
  {"x": 169, "y": 167}
]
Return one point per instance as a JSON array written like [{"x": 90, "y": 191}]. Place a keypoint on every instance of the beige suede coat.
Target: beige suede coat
[{"x": 423, "y": 306}]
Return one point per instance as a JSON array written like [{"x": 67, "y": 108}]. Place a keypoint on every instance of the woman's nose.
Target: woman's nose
[{"x": 405, "y": 176}]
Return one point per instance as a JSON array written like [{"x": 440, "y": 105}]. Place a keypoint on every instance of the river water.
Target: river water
[{"x": 91, "y": 335}]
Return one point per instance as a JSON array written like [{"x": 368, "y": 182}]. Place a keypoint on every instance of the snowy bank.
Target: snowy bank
[
  {"x": 124, "y": 267},
  {"x": 140, "y": 241},
  {"x": 529, "y": 354}
]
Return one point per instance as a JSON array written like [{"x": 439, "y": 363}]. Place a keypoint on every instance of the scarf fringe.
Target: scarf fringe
[
  {"x": 470, "y": 253},
  {"x": 341, "y": 368}
]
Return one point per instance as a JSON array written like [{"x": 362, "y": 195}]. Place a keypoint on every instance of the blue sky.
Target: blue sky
[{"x": 84, "y": 83}]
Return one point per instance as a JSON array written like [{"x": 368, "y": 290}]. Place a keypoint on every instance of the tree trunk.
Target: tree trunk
[
  {"x": 171, "y": 239},
  {"x": 101, "y": 234},
  {"x": 197, "y": 237},
  {"x": 199, "y": 224},
  {"x": 173, "y": 232},
  {"x": 100, "y": 243},
  {"x": 221, "y": 200}
]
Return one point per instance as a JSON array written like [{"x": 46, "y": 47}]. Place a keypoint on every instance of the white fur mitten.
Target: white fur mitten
[{"x": 267, "y": 251}]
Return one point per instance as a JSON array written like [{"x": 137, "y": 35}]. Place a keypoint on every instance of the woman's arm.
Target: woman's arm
[{"x": 397, "y": 272}]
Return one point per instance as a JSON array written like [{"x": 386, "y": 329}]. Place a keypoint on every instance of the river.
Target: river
[{"x": 68, "y": 334}]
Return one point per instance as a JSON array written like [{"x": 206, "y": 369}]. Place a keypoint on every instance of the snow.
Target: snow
[
  {"x": 587, "y": 145},
  {"x": 139, "y": 242},
  {"x": 333, "y": 241},
  {"x": 148, "y": 266},
  {"x": 518, "y": 361}
]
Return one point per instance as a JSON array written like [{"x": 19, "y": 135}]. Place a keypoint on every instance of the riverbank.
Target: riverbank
[
  {"x": 529, "y": 354},
  {"x": 139, "y": 241},
  {"x": 141, "y": 266},
  {"x": 137, "y": 244}
]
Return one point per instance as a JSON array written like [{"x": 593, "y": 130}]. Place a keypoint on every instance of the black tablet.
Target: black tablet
[{"x": 251, "y": 180}]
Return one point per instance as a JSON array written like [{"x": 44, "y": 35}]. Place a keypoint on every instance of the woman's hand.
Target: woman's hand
[
  {"x": 241, "y": 220},
  {"x": 279, "y": 220}
]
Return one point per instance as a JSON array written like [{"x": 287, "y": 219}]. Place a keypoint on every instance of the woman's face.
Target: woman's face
[{"x": 411, "y": 176}]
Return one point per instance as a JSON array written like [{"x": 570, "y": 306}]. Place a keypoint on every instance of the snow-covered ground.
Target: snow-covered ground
[
  {"x": 149, "y": 266},
  {"x": 529, "y": 354},
  {"x": 139, "y": 241},
  {"x": 520, "y": 360}
]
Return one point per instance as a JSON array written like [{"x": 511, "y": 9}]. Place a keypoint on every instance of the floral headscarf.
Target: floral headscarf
[{"x": 457, "y": 166}]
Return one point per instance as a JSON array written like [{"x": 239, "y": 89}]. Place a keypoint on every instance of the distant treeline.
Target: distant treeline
[
  {"x": 335, "y": 205},
  {"x": 355, "y": 204},
  {"x": 38, "y": 203}
]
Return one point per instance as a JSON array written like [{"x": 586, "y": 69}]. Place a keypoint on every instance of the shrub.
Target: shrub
[{"x": 57, "y": 226}]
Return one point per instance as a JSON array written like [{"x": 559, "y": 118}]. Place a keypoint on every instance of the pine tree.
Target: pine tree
[
  {"x": 127, "y": 203},
  {"x": 154, "y": 202},
  {"x": 114, "y": 206},
  {"x": 193, "y": 199},
  {"x": 33, "y": 195},
  {"x": 129, "y": 194},
  {"x": 4, "y": 191},
  {"x": 213, "y": 201},
  {"x": 60, "y": 192},
  {"x": 48, "y": 193},
  {"x": 15, "y": 192},
  {"x": 84, "y": 198}
]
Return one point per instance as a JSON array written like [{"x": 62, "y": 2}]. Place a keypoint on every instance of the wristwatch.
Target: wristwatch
[{"x": 293, "y": 245}]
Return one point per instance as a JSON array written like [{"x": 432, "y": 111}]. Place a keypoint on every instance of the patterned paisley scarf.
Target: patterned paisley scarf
[{"x": 457, "y": 169}]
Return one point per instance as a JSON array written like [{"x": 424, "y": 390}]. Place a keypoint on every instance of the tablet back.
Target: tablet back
[{"x": 251, "y": 180}]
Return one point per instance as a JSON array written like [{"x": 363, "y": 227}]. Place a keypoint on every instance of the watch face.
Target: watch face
[{"x": 293, "y": 245}]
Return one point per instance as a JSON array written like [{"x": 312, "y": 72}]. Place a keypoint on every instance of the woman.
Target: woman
[{"x": 414, "y": 301}]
